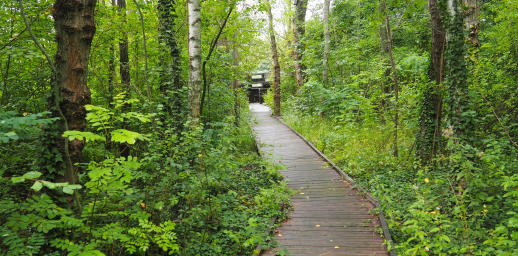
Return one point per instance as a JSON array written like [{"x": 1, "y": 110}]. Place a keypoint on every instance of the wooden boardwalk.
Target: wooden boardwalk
[{"x": 329, "y": 217}]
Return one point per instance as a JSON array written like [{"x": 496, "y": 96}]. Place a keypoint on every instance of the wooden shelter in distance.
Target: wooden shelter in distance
[{"x": 257, "y": 87}]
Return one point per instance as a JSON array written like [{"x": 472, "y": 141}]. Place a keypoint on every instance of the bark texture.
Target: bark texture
[
  {"x": 123, "y": 51},
  {"x": 299, "y": 30},
  {"x": 296, "y": 60},
  {"x": 431, "y": 103},
  {"x": 276, "y": 67},
  {"x": 194, "y": 9},
  {"x": 472, "y": 21},
  {"x": 75, "y": 29},
  {"x": 327, "y": 39}
]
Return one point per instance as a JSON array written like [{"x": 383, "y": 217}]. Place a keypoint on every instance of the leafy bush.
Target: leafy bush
[{"x": 202, "y": 191}]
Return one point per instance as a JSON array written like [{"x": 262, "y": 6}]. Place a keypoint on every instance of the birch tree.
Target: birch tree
[
  {"x": 194, "y": 11},
  {"x": 299, "y": 29}
]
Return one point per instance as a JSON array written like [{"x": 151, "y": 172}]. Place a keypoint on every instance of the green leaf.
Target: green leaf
[
  {"x": 83, "y": 135},
  {"x": 435, "y": 229},
  {"x": 32, "y": 175},
  {"x": 92, "y": 253},
  {"x": 123, "y": 135},
  {"x": 37, "y": 186},
  {"x": 17, "y": 179},
  {"x": 69, "y": 189},
  {"x": 52, "y": 185},
  {"x": 513, "y": 222},
  {"x": 95, "y": 174}
]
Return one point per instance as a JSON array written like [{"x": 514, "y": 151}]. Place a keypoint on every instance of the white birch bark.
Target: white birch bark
[{"x": 194, "y": 9}]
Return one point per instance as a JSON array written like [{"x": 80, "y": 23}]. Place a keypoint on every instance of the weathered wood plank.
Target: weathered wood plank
[{"x": 329, "y": 217}]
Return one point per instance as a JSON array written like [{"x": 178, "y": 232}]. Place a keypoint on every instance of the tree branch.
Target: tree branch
[{"x": 213, "y": 45}]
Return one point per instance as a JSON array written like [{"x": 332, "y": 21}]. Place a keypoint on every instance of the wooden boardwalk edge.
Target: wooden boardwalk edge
[
  {"x": 271, "y": 225},
  {"x": 372, "y": 199}
]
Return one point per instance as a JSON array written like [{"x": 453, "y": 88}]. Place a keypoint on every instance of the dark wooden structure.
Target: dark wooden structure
[
  {"x": 331, "y": 214},
  {"x": 257, "y": 86}
]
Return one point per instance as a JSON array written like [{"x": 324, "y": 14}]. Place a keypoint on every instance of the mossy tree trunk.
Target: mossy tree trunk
[
  {"x": 428, "y": 141},
  {"x": 170, "y": 81}
]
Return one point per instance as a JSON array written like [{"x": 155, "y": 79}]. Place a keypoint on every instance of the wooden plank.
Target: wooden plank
[{"x": 329, "y": 217}]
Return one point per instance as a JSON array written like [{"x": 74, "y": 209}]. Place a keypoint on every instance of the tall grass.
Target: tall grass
[{"x": 359, "y": 149}]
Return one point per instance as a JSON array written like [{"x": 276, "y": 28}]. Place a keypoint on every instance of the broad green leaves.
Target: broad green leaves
[
  {"x": 119, "y": 135},
  {"x": 38, "y": 185},
  {"x": 122, "y": 135},
  {"x": 105, "y": 120},
  {"x": 83, "y": 135}
]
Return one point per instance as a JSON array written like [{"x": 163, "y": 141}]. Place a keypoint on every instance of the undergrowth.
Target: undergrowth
[
  {"x": 204, "y": 191},
  {"x": 463, "y": 203}
]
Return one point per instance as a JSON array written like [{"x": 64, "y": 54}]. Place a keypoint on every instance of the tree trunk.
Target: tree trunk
[
  {"x": 124, "y": 70},
  {"x": 235, "y": 81},
  {"x": 472, "y": 21},
  {"x": 394, "y": 77},
  {"x": 296, "y": 61},
  {"x": 206, "y": 86},
  {"x": 170, "y": 83},
  {"x": 148, "y": 89},
  {"x": 75, "y": 28},
  {"x": 111, "y": 69},
  {"x": 457, "y": 71},
  {"x": 194, "y": 9},
  {"x": 276, "y": 67},
  {"x": 431, "y": 102},
  {"x": 327, "y": 39},
  {"x": 5, "y": 96},
  {"x": 299, "y": 30},
  {"x": 384, "y": 53},
  {"x": 123, "y": 52}
]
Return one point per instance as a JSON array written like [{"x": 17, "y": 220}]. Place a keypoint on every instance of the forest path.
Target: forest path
[{"x": 329, "y": 217}]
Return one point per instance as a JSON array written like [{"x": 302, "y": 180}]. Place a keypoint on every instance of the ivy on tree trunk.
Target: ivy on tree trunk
[
  {"x": 428, "y": 141},
  {"x": 75, "y": 29}
]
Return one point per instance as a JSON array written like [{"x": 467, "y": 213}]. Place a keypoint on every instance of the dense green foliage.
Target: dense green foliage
[
  {"x": 462, "y": 202},
  {"x": 153, "y": 180},
  {"x": 187, "y": 187}
]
